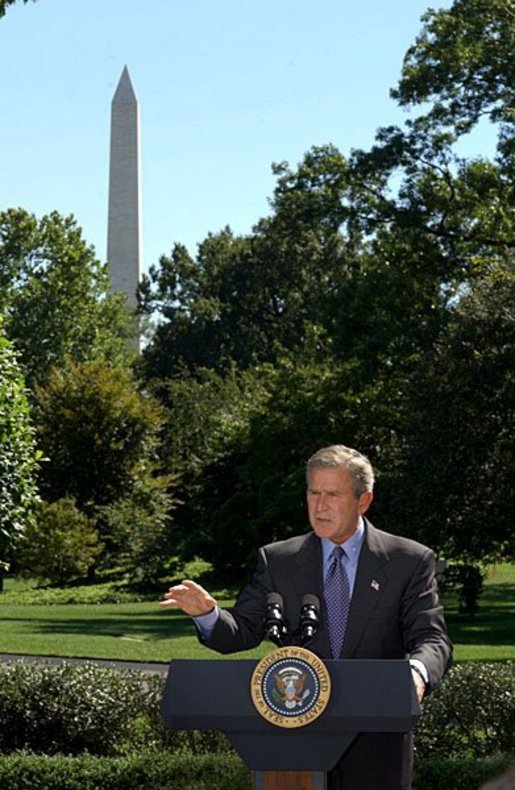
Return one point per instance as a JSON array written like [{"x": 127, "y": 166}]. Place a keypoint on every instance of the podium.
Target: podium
[{"x": 366, "y": 696}]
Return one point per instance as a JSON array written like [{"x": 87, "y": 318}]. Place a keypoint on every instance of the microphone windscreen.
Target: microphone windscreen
[
  {"x": 274, "y": 599},
  {"x": 311, "y": 600}
]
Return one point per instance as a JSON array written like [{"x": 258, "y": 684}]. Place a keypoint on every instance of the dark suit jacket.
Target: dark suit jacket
[{"x": 394, "y": 613}]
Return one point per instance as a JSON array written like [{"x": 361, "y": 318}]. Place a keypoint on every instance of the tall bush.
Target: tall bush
[
  {"x": 18, "y": 454},
  {"x": 472, "y": 713},
  {"x": 72, "y": 709},
  {"x": 101, "y": 435},
  {"x": 60, "y": 545}
]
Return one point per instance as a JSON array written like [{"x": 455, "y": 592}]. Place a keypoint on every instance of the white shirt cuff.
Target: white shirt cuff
[{"x": 421, "y": 668}]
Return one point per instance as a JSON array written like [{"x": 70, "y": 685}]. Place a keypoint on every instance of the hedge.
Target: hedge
[
  {"x": 113, "y": 714},
  {"x": 75, "y": 708},
  {"x": 147, "y": 772},
  {"x": 23, "y": 771},
  {"x": 471, "y": 713},
  {"x": 458, "y": 774}
]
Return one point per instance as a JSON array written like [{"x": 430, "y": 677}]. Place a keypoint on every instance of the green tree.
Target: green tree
[
  {"x": 455, "y": 479},
  {"x": 140, "y": 530},
  {"x": 459, "y": 73},
  {"x": 245, "y": 301},
  {"x": 208, "y": 415},
  {"x": 237, "y": 303},
  {"x": 371, "y": 274},
  {"x": 461, "y": 67},
  {"x": 94, "y": 427},
  {"x": 54, "y": 295},
  {"x": 5, "y": 3},
  {"x": 377, "y": 294},
  {"x": 194, "y": 298},
  {"x": 372, "y": 263},
  {"x": 59, "y": 545},
  {"x": 18, "y": 455},
  {"x": 101, "y": 437},
  {"x": 252, "y": 491}
]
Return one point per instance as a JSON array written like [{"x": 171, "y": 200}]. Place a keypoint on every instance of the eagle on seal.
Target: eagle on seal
[{"x": 290, "y": 688}]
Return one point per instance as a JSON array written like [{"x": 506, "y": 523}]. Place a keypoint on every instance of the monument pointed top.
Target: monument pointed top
[{"x": 125, "y": 92}]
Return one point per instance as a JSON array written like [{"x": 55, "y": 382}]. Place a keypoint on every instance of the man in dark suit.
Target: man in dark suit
[{"x": 387, "y": 608}]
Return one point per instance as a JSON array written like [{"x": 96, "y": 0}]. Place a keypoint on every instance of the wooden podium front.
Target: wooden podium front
[{"x": 289, "y": 780}]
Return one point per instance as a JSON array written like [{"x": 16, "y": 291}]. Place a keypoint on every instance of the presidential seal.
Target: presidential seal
[{"x": 290, "y": 687}]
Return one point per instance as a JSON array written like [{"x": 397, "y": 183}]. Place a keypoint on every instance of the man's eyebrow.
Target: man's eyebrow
[{"x": 331, "y": 491}]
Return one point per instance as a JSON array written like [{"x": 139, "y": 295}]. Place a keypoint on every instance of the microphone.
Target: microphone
[
  {"x": 309, "y": 612},
  {"x": 275, "y": 630}
]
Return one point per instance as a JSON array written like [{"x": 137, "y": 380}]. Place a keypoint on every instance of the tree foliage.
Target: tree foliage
[
  {"x": 371, "y": 307},
  {"x": 4, "y": 4},
  {"x": 239, "y": 302},
  {"x": 61, "y": 544},
  {"x": 101, "y": 437},
  {"x": 95, "y": 428},
  {"x": 458, "y": 449},
  {"x": 309, "y": 271},
  {"x": 18, "y": 454},
  {"x": 139, "y": 529},
  {"x": 462, "y": 66},
  {"x": 54, "y": 294}
]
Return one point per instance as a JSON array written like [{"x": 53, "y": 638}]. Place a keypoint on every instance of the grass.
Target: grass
[
  {"x": 125, "y": 631},
  {"x": 140, "y": 631},
  {"x": 490, "y": 634}
]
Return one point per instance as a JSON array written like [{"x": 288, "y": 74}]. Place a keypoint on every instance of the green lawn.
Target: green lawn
[
  {"x": 143, "y": 632},
  {"x": 125, "y": 631},
  {"x": 490, "y": 634}
]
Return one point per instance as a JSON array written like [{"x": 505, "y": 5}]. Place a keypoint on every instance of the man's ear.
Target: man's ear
[{"x": 365, "y": 501}]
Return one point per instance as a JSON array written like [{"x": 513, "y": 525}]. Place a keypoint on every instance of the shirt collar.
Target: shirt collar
[{"x": 352, "y": 545}]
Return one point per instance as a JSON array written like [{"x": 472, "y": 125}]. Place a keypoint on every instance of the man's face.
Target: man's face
[{"x": 333, "y": 508}]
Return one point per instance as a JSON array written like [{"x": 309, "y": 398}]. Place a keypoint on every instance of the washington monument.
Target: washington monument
[{"x": 124, "y": 213}]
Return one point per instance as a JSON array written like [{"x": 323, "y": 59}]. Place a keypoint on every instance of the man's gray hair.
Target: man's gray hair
[{"x": 357, "y": 464}]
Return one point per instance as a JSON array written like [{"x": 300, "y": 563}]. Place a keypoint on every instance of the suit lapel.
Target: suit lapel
[
  {"x": 370, "y": 584},
  {"x": 309, "y": 563},
  {"x": 310, "y": 570}
]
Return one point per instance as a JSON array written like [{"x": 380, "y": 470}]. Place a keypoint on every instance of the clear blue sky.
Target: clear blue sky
[{"x": 225, "y": 89}]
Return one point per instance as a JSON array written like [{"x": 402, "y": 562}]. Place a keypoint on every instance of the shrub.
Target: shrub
[
  {"x": 89, "y": 708},
  {"x": 105, "y": 711},
  {"x": 62, "y": 543},
  {"x": 18, "y": 454},
  {"x": 73, "y": 709},
  {"x": 458, "y": 774},
  {"x": 108, "y": 592},
  {"x": 144, "y": 772},
  {"x": 472, "y": 713},
  {"x": 201, "y": 772}
]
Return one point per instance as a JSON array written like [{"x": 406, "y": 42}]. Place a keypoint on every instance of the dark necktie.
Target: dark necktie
[{"x": 337, "y": 600}]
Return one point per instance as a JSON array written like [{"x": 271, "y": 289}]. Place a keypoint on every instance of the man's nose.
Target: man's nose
[{"x": 322, "y": 501}]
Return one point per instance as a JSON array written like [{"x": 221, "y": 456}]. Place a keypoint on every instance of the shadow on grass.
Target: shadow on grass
[
  {"x": 156, "y": 627},
  {"x": 494, "y": 623}
]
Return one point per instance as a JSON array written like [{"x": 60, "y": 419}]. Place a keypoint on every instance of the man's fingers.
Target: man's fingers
[
  {"x": 169, "y": 602},
  {"x": 190, "y": 597},
  {"x": 420, "y": 686}
]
